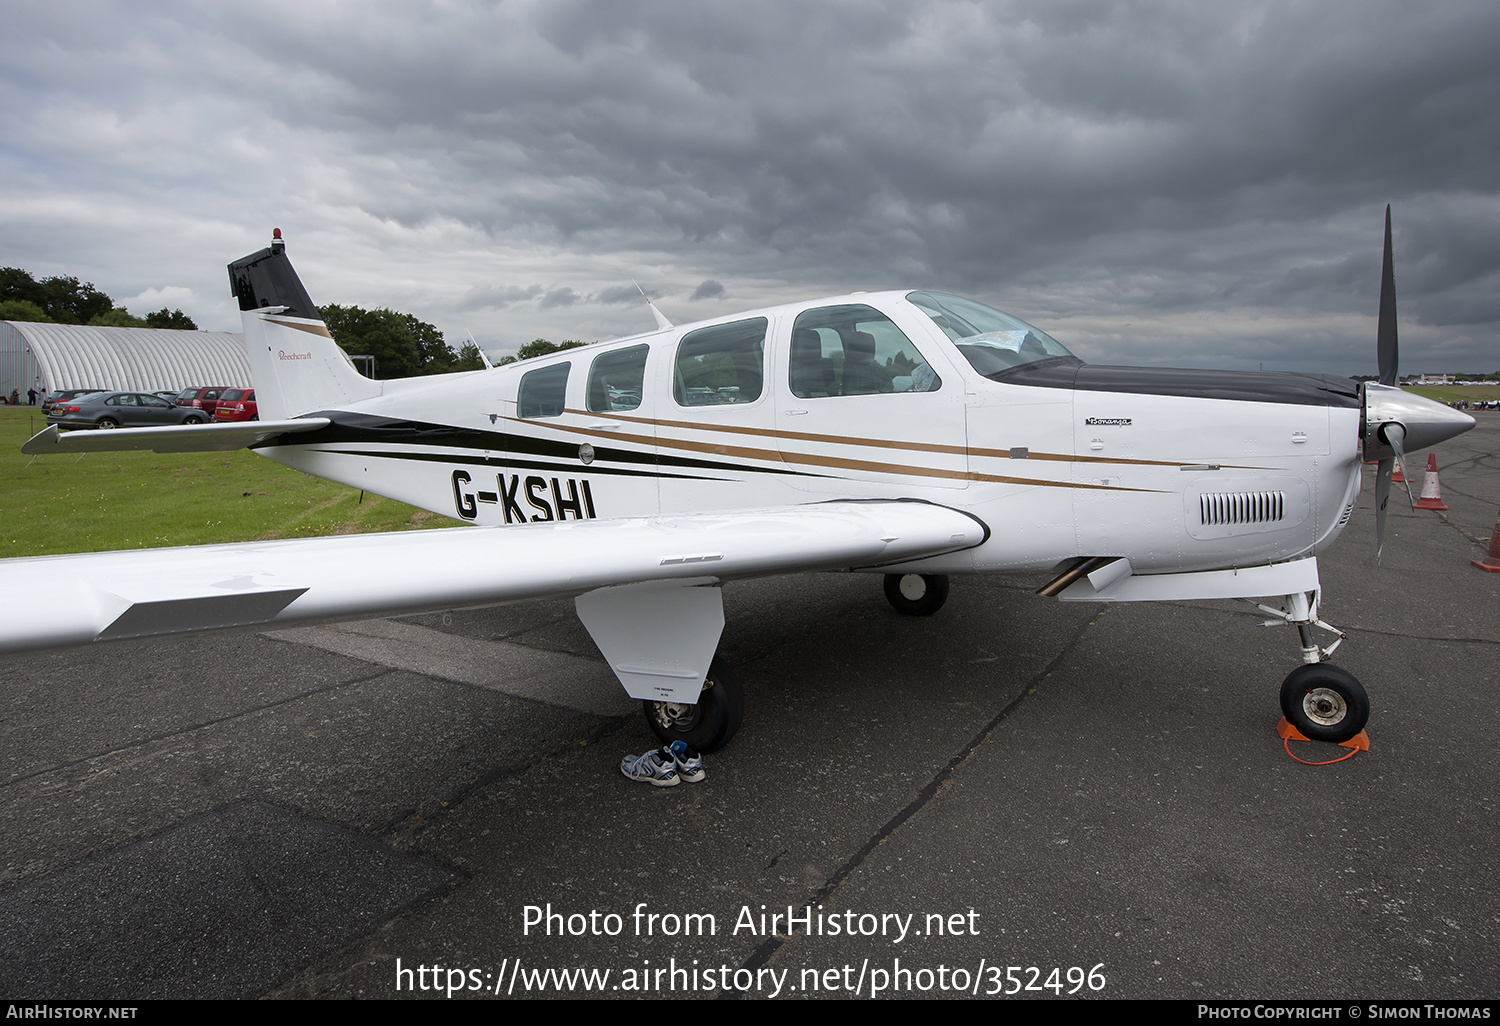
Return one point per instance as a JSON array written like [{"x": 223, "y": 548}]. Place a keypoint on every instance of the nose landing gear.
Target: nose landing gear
[{"x": 1324, "y": 702}]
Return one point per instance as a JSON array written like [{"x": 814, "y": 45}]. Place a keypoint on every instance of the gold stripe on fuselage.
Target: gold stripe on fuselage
[
  {"x": 812, "y": 459},
  {"x": 884, "y": 443},
  {"x": 312, "y": 329}
]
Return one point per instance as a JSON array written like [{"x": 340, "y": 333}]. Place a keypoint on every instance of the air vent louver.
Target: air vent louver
[{"x": 1218, "y": 508}]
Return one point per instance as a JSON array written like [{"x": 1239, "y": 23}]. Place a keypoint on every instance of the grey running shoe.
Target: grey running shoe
[
  {"x": 688, "y": 762},
  {"x": 653, "y": 768}
]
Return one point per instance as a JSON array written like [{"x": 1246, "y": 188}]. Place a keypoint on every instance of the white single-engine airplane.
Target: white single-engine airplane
[{"x": 912, "y": 434}]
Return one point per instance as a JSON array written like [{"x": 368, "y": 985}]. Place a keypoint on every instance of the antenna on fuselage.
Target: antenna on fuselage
[
  {"x": 482, "y": 355},
  {"x": 662, "y": 323}
]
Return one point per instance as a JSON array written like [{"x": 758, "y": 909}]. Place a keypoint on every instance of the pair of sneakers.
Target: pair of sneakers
[{"x": 665, "y": 766}]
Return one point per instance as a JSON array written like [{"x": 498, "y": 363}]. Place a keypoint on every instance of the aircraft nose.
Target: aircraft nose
[{"x": 1425, "y": 421}]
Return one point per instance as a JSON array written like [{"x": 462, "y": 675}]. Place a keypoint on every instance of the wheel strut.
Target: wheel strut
[{"x": 1320, "y": 701}]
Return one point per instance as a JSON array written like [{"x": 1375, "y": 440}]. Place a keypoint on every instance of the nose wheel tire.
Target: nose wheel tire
[
  {"x": 711, "y": 722},
  {"x": 916, "y": 594},
  {"x": 1324, "y": 702}
]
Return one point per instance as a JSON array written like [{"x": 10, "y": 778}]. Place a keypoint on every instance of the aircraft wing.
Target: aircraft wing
[
  {"x": 49, "y": 601},
  {"x": 177, "y": 438}
]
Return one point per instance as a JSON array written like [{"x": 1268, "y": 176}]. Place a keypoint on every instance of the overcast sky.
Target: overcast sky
[{"x": 1197, "y": 184}]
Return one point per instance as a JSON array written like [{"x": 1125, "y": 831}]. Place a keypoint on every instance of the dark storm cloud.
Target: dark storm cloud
[
  {"x": 709, "y": 289},
  {"x": 1091, "y": 164},
  {"x": 496, "y": 297},
  {"x": 562, "y": 296}
]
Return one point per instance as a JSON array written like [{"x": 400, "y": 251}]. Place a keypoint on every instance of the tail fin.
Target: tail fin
[{"x": 295, "y": 365}]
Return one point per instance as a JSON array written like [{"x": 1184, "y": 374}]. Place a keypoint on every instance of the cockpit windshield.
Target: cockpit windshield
[{"x": 991, "y": 340}]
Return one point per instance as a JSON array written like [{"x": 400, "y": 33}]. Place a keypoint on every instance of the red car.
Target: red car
[
  {"x": 236, "y": 404},
  {"x": 201, "y": 398}
]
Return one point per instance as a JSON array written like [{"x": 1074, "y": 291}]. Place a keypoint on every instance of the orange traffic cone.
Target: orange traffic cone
[
  {"x": 1396, "y": 476},
  {"x": 1492, "y": 561},
  {"x": 1432, "y": 495}
]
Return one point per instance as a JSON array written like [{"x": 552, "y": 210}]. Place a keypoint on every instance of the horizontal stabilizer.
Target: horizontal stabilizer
[
  {"x": 47, "y": 601},
  {"x": 184, "y": 438}
]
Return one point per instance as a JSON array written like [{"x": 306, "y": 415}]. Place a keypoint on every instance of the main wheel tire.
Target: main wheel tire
[
  {"x": 105, "y": 423},
  {"x": 1324, "y": 702},
  {"x": 707, "y": 725},
  {"x": 916, "y": 594}
]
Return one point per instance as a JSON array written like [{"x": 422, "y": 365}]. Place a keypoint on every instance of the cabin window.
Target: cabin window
[
  {"x": 721, "y": 366},
  {"x": 854, "y": 350},
  {"x": 615, "y": 380},
  {"x": 543, "y": 391}
]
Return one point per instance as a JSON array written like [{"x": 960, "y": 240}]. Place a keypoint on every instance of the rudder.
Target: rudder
[{"x": 295, "y": 365}]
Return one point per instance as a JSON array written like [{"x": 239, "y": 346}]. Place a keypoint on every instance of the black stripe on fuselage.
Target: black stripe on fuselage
[
  {"x": 571, "y": 466},
  {"x": 1239, "y": 386},
  {"x": 364, "y": 428}
]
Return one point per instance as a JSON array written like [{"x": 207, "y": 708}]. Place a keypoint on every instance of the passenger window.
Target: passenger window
[
  {"x": 722, "y": 365},
  {"x": 854, "y": 350},
  {"x": 615, "y": 380},
  {"x": 543, "y": 391}
]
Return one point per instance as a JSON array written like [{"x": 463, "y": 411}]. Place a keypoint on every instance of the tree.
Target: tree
[
  {"x": 542, "y": 347},
  {"x": 402, "y": 345},
  {"x": 176, "y": 320},
  {"x": 22, "y": 310},
  {"x": 69, "y": 302},
  {"x": 468, "y": 358},
  {"x": 119, "y": 317},
  {"x": 62, "y": 298}
]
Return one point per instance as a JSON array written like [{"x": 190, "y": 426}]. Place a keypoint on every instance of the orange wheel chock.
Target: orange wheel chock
[{"x": 1358, "y": 743}]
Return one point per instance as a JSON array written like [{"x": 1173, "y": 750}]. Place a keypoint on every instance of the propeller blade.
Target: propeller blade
[
  {"x": 1382, "y": 496},
  {"x": 1385, "y": 331},
  {"x": 1394, "y": 435}
]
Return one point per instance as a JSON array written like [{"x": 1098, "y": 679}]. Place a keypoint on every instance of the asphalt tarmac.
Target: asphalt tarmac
[{"x": 1013, "y": 795}]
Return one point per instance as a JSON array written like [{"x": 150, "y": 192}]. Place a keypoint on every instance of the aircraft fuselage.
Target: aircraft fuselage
[{"x": 1178, "y": 471}]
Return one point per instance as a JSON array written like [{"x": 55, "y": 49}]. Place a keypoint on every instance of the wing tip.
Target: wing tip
[{"x": 41, "y": 442}]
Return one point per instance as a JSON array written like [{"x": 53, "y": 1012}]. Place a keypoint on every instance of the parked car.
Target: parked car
[
  {"x": 199, "y": 397},
  {"x": 63, "y": 394},
  {"x": 236, "y": 404},
  {"x": 121, "y": 409}
]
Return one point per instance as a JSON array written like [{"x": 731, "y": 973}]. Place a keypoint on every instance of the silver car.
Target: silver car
[{"x": 121, "y": 409}]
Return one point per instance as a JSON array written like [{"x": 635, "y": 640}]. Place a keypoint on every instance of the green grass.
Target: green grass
[
  {"x": 1452, "y": 393},
  {"x": 127, "y": 500}
]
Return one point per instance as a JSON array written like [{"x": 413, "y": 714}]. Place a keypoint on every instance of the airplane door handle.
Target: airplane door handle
[{"x": 605, "y": 427}]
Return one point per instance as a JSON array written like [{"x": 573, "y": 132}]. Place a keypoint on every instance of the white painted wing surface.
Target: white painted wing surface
[
  {"x": 50, "y": 601},
  {"x": 188, "y": 438}
]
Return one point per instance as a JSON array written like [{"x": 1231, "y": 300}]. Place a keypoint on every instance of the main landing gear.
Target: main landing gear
[
  {"x": 707, "y": 725},
  {"x": 916, "y": 594},
  {"x": 1324, "y": 702}
]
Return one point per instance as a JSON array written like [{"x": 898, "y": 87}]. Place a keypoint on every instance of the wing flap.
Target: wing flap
[
  {"x": 62, "y": 600},
  {"x": 184, "y": 438}
]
